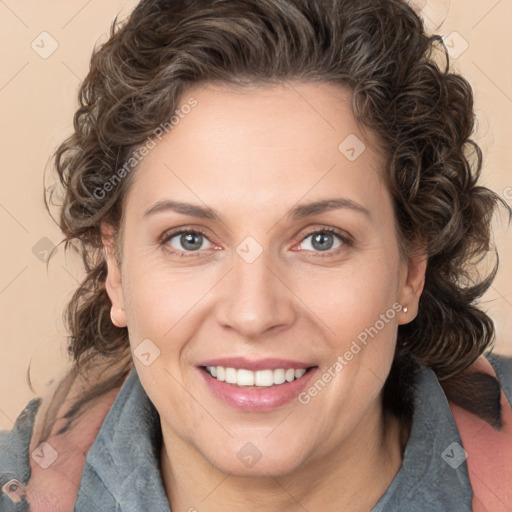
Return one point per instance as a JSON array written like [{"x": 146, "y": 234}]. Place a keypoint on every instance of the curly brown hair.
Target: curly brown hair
[{"x": 422, "y": 114}]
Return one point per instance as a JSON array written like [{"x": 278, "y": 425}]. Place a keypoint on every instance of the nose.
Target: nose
[{"x": 255, "y": 299}]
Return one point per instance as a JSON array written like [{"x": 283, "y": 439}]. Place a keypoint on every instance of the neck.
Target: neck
[{"x": 338, "y": 481}]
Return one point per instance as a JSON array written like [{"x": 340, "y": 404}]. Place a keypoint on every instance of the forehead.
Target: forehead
[
  {"x": 262, "y": 141},
  {"x": 294, "y": 111}
]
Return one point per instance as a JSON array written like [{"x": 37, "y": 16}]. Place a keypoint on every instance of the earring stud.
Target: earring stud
[
  {"x": 112, "y": 314},
  {"x": 405, "y": 309}
]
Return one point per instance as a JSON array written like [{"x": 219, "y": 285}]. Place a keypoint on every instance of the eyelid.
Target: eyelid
[{"x": 344, "y": 235}]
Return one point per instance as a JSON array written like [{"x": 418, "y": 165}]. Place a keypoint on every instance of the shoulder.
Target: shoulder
[
  {"x": 488, "y": 448},
  {"x": 42, "y": 457}
]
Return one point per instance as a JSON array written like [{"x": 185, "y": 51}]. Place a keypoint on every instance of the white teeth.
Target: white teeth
[
  {"x": 260, "y": 378},
  {"x": 245, "y": 378},
  {"x": 231, "y": 376},
  {"x": 279, "y": 376},
  {"x": 264, "y": 378}
]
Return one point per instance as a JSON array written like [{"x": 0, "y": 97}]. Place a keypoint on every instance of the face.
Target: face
[{"x": 259, "y": 246}]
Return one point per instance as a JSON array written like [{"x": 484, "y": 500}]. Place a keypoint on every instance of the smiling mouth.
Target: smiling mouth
[{"x": 259, "y": 379}]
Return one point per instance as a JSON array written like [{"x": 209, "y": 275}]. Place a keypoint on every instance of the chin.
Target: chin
[{"x": 249, "y": 460}]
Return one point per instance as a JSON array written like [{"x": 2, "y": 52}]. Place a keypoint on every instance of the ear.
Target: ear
[
  {"x": 411, "y": 288},
  {"x": 113, "y": 283}
]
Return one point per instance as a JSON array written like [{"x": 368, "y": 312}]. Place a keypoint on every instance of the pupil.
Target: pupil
[
  {"x": 320, "y": 237},
  {"x": 188, "y": 241}
]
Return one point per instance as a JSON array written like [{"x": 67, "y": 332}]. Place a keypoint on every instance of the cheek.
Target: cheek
[
  {"x": 349, "y": 300},
  {"x": 158, "y": 300},
  {"x": 359, "y": 310}
]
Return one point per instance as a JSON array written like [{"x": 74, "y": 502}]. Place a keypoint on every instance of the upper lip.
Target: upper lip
[{"x": 256, "y": 364}]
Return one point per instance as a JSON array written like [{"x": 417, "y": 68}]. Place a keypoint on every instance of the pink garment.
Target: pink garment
[
  {"x": 54, "y": 483},
  {"x": 489, "y": 452}
]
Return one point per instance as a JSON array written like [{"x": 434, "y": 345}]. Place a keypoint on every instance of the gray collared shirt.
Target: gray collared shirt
[{"x": 122, "y": 469}]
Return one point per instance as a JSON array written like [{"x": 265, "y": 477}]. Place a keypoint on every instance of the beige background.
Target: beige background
[{"x": 37, "y": 101}]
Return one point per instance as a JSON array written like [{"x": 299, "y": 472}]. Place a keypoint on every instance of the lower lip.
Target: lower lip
[{"x": 256, "y": 400}]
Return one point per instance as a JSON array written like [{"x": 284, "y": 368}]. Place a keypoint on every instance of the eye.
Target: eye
[
  {"x": 186, "y": 241},
  {"x": 324, "y": 240}
]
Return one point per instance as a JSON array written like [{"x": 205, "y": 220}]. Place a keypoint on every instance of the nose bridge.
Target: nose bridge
[{"x": 255, "y": 299}]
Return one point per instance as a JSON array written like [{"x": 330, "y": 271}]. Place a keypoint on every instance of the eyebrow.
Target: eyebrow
[{"x": 296, "y": 213}]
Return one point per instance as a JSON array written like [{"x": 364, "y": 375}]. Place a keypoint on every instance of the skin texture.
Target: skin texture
[{"x": 252, "y": 155}]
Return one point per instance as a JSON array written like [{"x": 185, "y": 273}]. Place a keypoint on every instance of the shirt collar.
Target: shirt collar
[
  {"x": 434, "y": 474},
  {"x": 126, "y": 453}
]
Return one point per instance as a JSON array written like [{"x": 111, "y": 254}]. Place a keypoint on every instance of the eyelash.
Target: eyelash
[{"x": 345, "y": 239}]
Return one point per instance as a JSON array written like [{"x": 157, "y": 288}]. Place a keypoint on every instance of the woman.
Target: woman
[{"x": 278, "y": 211}]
